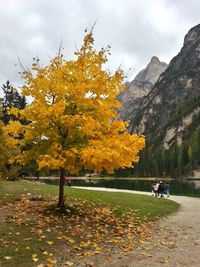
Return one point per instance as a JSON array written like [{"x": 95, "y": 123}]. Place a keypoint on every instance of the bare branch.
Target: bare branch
[
  {"x": 94, "y": 24},
  {"x": 20, "y": 63},
  {"x": 60, "y": 47}
]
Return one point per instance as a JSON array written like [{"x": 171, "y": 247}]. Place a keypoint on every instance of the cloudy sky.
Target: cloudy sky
[{"x": 136, "y": 30}]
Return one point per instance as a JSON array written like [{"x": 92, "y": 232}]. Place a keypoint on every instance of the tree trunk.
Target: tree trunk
[
  {"x": 61, "y": 200},
  {"x": 38, "y": 175}
]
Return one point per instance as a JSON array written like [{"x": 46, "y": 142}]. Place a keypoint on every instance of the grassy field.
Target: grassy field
[
  {"x": 145, "y": 205},
  {"x": 33, "y": 232}
]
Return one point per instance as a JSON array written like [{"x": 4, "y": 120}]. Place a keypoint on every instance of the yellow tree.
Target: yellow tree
[
  {"x": 4, "y": 153},
  {"x": 7, "y": 169},
  {"x": 72, "y": 117}
]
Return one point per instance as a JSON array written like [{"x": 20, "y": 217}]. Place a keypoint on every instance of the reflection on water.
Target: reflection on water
[
  {"x": 196, "y": 183},
  {"x": 188, "y": 188}
]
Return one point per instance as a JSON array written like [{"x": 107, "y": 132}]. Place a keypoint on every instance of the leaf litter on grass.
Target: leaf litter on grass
[{"x": 52, "y": 236}]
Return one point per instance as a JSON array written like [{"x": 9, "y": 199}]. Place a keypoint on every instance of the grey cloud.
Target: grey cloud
[{"x": 135, "y": 30}]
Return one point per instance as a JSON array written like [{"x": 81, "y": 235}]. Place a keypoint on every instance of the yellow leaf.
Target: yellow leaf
[
  {"x": 49, "y": 242},
  {"x": 39, "y": 232},
  {"x": 77, "y": 248},
  {"x": 7, "y": 257},
  {"x": 53, "y": 261},
  {"x": 69, "y": 263},
  {"x": 164, "y": 260},
  {"x": 71, "y": 241}
]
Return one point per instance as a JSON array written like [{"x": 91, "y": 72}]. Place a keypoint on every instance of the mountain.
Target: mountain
[
  {"x": 139, "y": 88},
  {"x": 169, "y": 114}
]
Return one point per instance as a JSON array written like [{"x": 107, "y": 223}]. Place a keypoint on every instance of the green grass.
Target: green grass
[
  {"x": 18, "y": 241},
  {"x": 145, "y": 205}
]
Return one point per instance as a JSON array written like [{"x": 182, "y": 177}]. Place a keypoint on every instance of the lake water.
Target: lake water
[{"x": 187, "y": 188}]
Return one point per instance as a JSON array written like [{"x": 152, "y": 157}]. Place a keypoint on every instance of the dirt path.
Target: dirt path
[{"x": 176, "y": 242}]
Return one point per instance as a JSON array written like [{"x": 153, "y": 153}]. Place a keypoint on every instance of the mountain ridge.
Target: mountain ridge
[{"x": 169, "y": 114}]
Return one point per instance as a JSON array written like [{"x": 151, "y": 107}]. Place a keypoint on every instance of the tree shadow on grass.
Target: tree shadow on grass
[{"x": 66, "y": 211}]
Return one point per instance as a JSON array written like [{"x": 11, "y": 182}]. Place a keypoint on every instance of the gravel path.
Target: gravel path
[{"x": 176, "y": 242}]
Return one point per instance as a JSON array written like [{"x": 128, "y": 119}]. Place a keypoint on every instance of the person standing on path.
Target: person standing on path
[
  {"x": 156, "y": 188},
  {"x": 167, "y": 187},
  {"x": 161, "y": 189}
]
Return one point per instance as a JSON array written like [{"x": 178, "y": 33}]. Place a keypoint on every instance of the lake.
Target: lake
[{"x": 177, "y": 187}]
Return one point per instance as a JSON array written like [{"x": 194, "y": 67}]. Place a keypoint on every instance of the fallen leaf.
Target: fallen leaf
[
  {"x": 39, "y": 232},
  {"x": 7, "y": 257},
  {"x": 49, "y": 242},
  {"x": 50, "y": 260},
  {"x": 69, "y": 263},
  {"x": 71, "y": 241}
]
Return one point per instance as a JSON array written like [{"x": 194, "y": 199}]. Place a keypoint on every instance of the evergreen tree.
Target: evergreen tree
[{"x": 11, "y": 98}]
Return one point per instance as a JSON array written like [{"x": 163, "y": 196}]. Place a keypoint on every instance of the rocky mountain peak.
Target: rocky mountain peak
[
  {"x": 192, "y": 36},
  {"x": 152, "y": 72},
  {"x": 155, "y": 60},
  {"x": 140, "y": 87}
]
